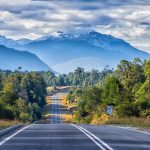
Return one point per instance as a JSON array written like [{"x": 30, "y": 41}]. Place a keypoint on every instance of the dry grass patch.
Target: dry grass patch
[
  {"x": 67, "y": 118},
  {"x": 49, "y": 89},
  {"x": 64, "y": 101},
  {"x": 99, "y": 119},
  {"x": 7, "y": 123},
  {"x": 48, "y": 100}
]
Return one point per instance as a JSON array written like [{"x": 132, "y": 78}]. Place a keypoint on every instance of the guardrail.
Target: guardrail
[{"x": 5, "y": 131}]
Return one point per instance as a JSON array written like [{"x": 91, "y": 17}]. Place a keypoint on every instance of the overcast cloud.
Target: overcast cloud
[{"x": 129, "y": 19}]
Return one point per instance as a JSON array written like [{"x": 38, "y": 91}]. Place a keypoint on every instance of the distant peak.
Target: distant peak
[
  {"x": 91, "y": 34},
  {"x": 94, "y": 33},
  {"x": 57, "y": 34}
]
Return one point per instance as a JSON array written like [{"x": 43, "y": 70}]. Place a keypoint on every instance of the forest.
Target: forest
[
  {"x": 79, "y": 77},
  {"x": 127, "y": 90},
  {"x": 22, "y": 95}
]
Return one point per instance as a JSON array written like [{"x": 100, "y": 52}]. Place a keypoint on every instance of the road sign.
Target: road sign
[{"x": 109, "y": 110}]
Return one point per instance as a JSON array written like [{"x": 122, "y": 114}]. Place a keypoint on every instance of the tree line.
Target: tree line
[
  {"x": 79, "y": 77},
  {"x": 22, "y": 95},
  {"x": 127, "y": 89}
]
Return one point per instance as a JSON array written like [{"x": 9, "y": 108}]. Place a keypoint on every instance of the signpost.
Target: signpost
[{"x": 110, "y": 110}]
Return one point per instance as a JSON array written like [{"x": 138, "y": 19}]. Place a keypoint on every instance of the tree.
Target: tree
[
  {"x": 88, "y": 102},
  {"x": 131, "y": 75},
  {"x": 114, "y": 92},
  {"x": 143, "y": 94},
  {"x": 22, "y": 95}
]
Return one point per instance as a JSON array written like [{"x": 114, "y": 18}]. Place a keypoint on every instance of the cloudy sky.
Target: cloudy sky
[{"x": 126, "y": 19}]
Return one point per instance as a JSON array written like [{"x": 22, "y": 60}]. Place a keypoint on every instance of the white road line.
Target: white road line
[
  {"x": 8, "y": 138},
  {"x": 130, "y": 128},
  {"x": 103, "y": 143},
  {"x": 90, "y": 137}
]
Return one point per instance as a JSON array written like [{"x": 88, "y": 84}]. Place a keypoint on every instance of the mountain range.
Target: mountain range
[
  {"x": 11, "y": 59},
  {"x": 65, "y": 52}
]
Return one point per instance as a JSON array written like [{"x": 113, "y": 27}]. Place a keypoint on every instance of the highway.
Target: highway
[
  {"x": 59, "y": 136},
  {"x": 55, "y": 109}
]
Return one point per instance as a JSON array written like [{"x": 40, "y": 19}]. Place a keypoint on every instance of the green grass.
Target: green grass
[
  {"x": 7, "y": 123},
  {"x": 135, "y": 122}
]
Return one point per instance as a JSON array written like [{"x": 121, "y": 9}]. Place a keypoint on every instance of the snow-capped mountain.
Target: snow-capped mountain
[
  {"x": 23, "y": 41},
  {"x": 13, "y": 43},
  {"x": 55, "y": 36},
  {"x": 7, "y": 42},
  {"x": 94, "y": 38},
  {"x": 64, "y": 52}
]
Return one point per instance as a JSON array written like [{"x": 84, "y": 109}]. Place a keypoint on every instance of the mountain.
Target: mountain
[
  {"x": 7, "y": 42},
  {"x": 13, "y": 43},
  {"x": 22, "y": 42},
  {"x": 11, "y": 59},
  {"x": 65, "y": 52}
]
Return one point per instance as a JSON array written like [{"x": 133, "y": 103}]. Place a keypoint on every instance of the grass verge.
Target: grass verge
[
  {"x": 67, "y": 118},
  {"x": 134, "y": 122},
  {"x": 7, "y": 123}
]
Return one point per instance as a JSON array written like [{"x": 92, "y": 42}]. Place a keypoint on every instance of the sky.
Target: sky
[{"x": 125, "y": 19}]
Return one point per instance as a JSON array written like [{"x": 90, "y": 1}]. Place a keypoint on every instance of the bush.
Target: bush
[
  {"x": 127, "y": 109},
  {"x": 25, "y": 117},
  {"x": 6, "y": 111},
  {"x": 145, "y": 113}
]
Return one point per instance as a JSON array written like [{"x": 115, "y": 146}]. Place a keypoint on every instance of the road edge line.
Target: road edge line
[
  {"x": 11, "y": 136},
  {"x": 131, "y": 128},
  {"x": 90, "y": 137}
]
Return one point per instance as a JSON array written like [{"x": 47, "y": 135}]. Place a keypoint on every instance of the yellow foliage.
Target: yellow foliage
[
  {"x": 67, "y": 118},
  {"x": 8, "y": 123},
  {"x": 64, "y": 101},
  {"x": 99, "y": 119},
  {"x": 49, "y": 89},
  {"x": 48, "y": 100}
]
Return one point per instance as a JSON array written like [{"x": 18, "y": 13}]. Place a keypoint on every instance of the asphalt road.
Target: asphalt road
[
  {"x": 55, "y": 108},
  {"x": 58, "y": 136},
  {"x": 74, "y": 137}
]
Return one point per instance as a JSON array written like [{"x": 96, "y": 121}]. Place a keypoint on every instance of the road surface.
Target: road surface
[
  {"x": 55, "y": 109},
  {"x": 58, "y": 136}
]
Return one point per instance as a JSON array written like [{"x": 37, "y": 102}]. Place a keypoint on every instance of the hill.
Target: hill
[{"x": 11, "y": 59}]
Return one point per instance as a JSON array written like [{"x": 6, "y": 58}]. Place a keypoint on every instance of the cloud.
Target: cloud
[{"x": 129, "y": 19}]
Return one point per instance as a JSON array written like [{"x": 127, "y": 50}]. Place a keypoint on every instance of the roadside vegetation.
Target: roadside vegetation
[
  {"x": 127, "y": 89},
  {"x": 7, "y": 123},
  {"x": 79, "y": 77},
  {"x": 130, "y": 121},
  {"x": 22, "y": 95}
]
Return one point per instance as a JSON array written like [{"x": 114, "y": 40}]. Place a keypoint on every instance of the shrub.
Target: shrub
[{"x": 25, "y": 117}]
